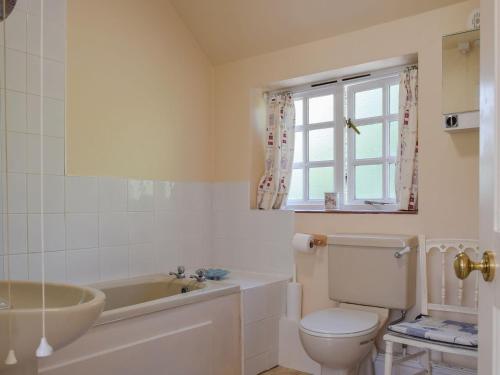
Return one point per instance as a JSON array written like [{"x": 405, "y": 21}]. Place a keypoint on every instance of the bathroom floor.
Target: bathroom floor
[{"x": 283, "y": 371}]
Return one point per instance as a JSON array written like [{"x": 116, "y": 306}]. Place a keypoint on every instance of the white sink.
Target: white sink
[{"x": 70, "y": 312}]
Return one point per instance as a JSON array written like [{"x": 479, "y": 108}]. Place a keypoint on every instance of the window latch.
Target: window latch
[
  {"x": 351, "y": 125},
  {"x": 376, "y": 203}
]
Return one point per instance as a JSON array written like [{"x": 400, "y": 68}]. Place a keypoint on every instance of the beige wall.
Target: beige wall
[
  {"x": 139, "y": 93},
  {"x": 448, "y": 162}
]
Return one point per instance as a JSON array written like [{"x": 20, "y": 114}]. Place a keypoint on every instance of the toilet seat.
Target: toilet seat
[{"x": 339, "y": 322}]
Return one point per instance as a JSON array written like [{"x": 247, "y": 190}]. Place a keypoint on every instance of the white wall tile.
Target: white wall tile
[
  {"x": 141, "y": 226},
  {"x": 21, "y": 5},
  {"x": 223, "y": 253},
  {"x": 17, "y": 193},
  {"x": 55, "y": 12},
  {"x": 112, "y": 194},
  {"x": 34, "y": 7},
  {"x": 16, "y": 152},
  {"x": 83, "y": 266},
  {"x": 231, "y": 195},
  {"x": 3, "y": 164},
  {"x": 54, "y": 156},
  {"x": 54, "y": 229},
  {"x": 194, "y": 196},
  {"x": 33, "y": 75},
  {"x": 15, "y": 30},
  {"x": 33, "y": 34},
  {"x": 54, "y": 41},
  {"x": 165, "y": 195},
  {"x": 166, "y": 227},
  {"x": 82, "y": 231},
  {"x": 18, "y": 266},
  {"x": 114, "y": 262},
  {"x": 167, "y": 256},
  {"x": 16, "y": 66},
  {"x": 18, "y": 233},
  {"x": 54, "y": 38},
  {"x": 140, "y": 195},
  {"x": 82, "y": 194},
  {"x": 142, "y": 259},
  {"x": 2, "y": 69},
  {"x": 16, "y": 111},
  {"x": 53, "y": 120},
  {"x": 53, "y": 193},
  {"x": 55, "y": 266},
  {"x": 2, "y": 106},
  {"x": 113, "y": 229},
  {"x": 194, "y": 252},
  {"x": 33, "y": 152},
  {"x": 54, "y": 79}
]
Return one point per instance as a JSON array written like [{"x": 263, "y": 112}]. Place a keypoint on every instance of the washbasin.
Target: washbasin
[{"x": 70, "y": 312}]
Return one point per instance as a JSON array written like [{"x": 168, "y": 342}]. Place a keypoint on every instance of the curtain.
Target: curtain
[
  {"x": 407, "y": 158},
  {"x": 274, "y": 185}
]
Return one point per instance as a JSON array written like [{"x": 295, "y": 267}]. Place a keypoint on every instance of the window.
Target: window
[{"x": 329, "y": 157}]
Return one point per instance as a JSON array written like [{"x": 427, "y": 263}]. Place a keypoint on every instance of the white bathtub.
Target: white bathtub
[{"x": 151, "y": 327}]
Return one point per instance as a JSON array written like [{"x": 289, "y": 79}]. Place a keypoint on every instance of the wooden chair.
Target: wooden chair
[{"x": 425, "y": 346}]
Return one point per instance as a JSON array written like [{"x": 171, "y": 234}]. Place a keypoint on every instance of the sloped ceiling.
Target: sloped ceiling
[{"x": 233, "y": 29}]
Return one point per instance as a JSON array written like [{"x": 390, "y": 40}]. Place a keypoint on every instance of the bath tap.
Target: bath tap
[
  {"x": 180, "y": 274},
  {"x": 199, "y": 275},
  {"x": 4, "y": 304}
]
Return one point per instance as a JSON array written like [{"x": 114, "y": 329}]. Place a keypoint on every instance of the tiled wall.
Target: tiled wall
[
  {"x": 250, "y": 240},
  {"x": 100, "y": 228}
]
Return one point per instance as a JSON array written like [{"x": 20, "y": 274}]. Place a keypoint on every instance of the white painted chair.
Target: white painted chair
[{"x": 425, "y": 346}]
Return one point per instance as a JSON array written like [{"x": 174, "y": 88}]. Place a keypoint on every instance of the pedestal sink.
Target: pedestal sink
[{"x": 70, "y": 312}]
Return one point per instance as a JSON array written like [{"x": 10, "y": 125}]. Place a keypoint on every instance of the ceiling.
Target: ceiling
[{"x": 233, "y": 29}]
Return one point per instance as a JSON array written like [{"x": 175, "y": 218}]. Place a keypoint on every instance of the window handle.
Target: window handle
[
  {"x": 351, "y": 125},
  {"x": 375, "y": 203}
]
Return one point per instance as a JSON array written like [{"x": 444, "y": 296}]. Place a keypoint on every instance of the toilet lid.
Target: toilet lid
[{"x": 339, "y": 322}]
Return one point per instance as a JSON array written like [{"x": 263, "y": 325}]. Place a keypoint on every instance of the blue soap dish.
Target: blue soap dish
[{"x": 216, "y": 274}]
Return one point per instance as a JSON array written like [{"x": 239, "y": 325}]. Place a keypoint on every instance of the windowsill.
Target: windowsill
[{"x": 376, "y": 212}]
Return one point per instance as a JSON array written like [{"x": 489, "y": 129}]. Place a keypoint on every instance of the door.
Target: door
[{"x": 489, "y": 186}]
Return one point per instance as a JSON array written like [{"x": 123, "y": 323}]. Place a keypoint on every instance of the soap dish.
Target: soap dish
[{"x": 216, "y": 274}]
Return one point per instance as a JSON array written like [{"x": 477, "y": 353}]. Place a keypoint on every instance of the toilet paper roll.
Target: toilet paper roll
[
  {"x": 303, "y": 243},
  {"x": 294, "y": 302}
]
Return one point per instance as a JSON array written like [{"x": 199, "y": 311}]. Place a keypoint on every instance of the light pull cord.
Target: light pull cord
[
  {"x": 11, "y": 355},
  {"x": 44, "y": 349}
]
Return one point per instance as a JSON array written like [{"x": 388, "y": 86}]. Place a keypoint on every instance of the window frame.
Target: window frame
[
  {"x": 338, "y": 149},
  {"x": 344, "y": 151},
  {"x": 386, "y": 159}
]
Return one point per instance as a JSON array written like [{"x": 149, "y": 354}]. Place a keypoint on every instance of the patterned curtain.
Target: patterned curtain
[
  {"x": 275, "y": 184},
  {"x": 407, "y": 157}
]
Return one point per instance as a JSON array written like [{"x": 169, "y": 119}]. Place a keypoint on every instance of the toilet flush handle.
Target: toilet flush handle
[{"x": 398, "y": 254}]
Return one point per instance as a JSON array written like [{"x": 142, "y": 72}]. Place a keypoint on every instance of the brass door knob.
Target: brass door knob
[{"x": 464, "y": 266}]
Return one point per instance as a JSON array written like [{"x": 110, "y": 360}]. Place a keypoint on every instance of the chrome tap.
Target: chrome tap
[
  {"x": 180, "y": 274},
  {"x": 4, "y": 304},
  {"x": 199, "y": 275}
]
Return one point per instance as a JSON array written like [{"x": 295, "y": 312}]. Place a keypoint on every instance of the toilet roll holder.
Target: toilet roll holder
[{"x": 319, "y": 240}]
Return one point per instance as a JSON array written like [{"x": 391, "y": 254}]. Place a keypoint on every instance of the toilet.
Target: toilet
[{"x": 367, "y": 276}]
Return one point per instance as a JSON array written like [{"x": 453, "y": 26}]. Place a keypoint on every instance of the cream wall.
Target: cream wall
[
  {"x": 448, "y": 191},
  {"x": 139, "y": 93}
]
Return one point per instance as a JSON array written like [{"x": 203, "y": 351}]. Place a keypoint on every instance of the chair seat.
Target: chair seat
[{"x": 445, "y": 331}]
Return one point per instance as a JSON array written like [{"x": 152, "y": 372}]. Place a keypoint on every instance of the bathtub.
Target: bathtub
[{"x": 158, "y": 325}]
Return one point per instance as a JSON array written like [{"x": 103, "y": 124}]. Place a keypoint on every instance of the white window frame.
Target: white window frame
[
  {"x": 305, "y": 165},
  {"x": 344, "y": 162},
  {"x": 385, "y": 119}
]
